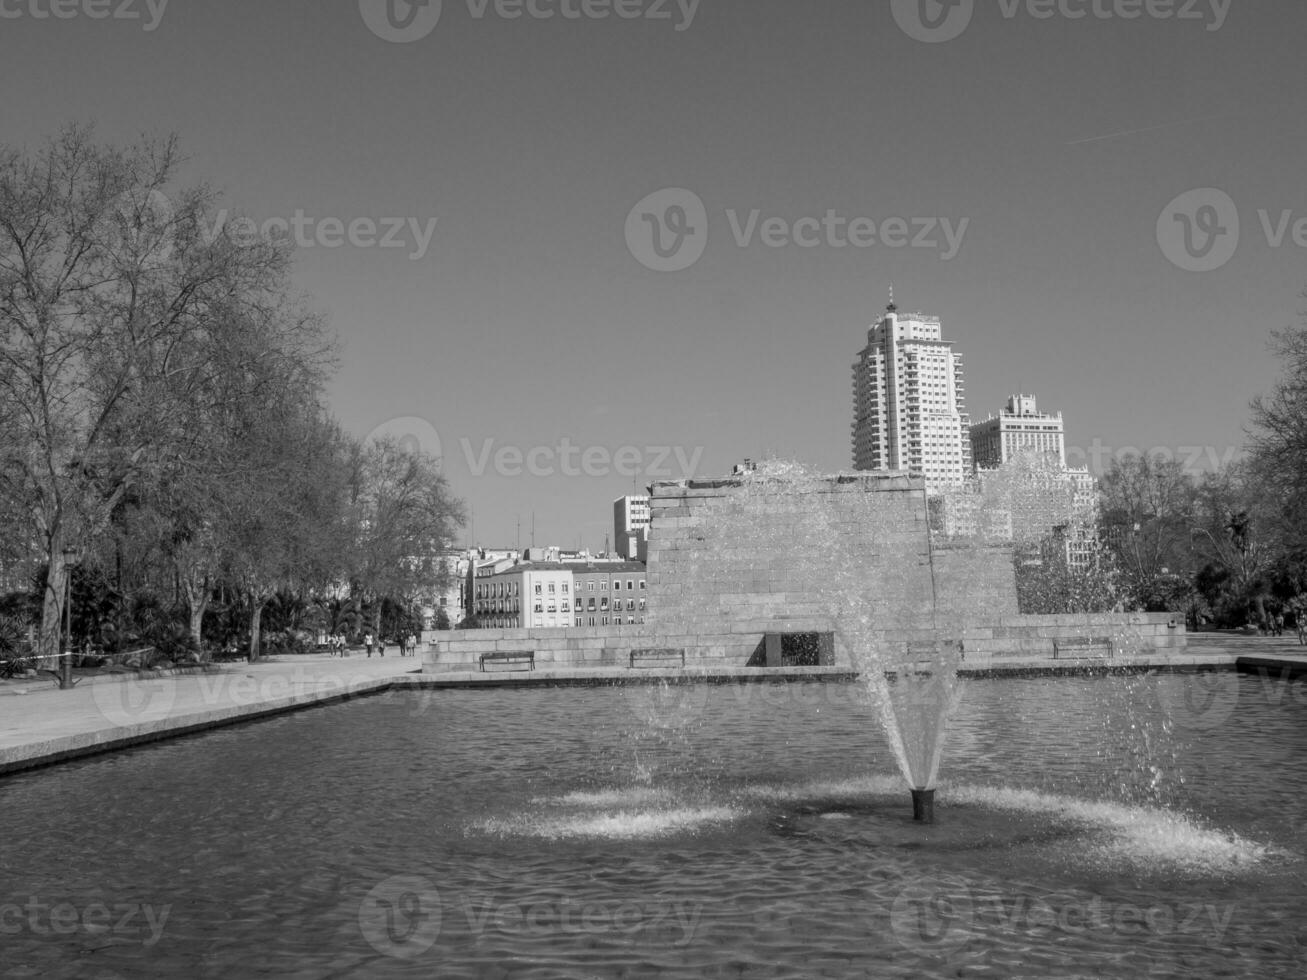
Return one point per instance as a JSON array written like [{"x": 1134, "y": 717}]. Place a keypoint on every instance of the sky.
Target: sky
[{"x": 1101, "y": 203}]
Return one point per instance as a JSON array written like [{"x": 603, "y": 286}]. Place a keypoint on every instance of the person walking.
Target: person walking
[{"x": 367, "y": 642}]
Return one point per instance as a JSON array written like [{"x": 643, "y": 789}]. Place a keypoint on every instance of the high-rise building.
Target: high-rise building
[
  {"x": 909, "y": 401},
  {"x": 1019, "y": 428},
  {"x": 631, "y": 526}
]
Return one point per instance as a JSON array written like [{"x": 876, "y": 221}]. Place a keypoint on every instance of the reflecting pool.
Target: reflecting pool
[{"x": 1107, "y": 827}]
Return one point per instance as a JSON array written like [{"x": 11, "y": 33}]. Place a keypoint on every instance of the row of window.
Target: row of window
[{"x": 495, "y": 590}]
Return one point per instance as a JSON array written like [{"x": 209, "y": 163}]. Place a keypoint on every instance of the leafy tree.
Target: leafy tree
[{"x": 1147, "y": 506}]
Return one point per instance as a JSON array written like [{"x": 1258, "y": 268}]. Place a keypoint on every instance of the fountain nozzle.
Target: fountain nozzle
[{"x": 923, "y": 805}]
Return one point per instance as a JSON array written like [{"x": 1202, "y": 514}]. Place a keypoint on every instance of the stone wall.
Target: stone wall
[
  {"x": 732, "y": 560},
  {"x": 1132, "y": 635},
  {"x": 733, "y": 556}
]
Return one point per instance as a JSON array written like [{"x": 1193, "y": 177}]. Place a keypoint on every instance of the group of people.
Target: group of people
[{"x": 408, "y": 645}]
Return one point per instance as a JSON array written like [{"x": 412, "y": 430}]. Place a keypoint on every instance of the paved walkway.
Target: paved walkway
[{"x": 40, "y": 723}]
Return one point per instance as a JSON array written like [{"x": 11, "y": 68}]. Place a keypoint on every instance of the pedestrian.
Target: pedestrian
[
  {"x": 367, "y": 642},
  {"x": 1279, "y": 624},
  {"x": 381, "y": 646}
]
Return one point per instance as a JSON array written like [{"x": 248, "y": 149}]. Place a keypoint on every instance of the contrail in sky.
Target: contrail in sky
[{"x": 1145, "y": 129}]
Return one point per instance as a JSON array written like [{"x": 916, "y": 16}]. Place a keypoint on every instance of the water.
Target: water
[
  {"x": 827, "y": 530},
  {"x": 753, "y": 831}
]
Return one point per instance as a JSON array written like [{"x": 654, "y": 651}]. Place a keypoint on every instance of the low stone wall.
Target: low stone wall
[{"x": 1132, "y": 634}]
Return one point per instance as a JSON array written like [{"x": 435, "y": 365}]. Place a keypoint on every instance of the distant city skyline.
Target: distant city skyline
[{"x": 1104, "y": 212}]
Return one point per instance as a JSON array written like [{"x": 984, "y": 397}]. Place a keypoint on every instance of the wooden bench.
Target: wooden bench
[
  {"x": 640, "y": 657},
  {"x": 1064, "y": 645},
  {"x": 527, "y": 657}
]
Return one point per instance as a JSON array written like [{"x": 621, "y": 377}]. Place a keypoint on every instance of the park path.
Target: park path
[{"x": 40, "y": 723}]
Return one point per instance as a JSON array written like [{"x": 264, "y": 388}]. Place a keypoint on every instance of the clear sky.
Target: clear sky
[{"x": 526, "y": 319}]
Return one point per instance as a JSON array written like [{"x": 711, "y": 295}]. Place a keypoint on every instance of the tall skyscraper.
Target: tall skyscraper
[{"x": 909, "y": 401}]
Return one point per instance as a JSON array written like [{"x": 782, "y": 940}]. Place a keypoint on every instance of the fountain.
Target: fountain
[{"x": 906, "y": 644}]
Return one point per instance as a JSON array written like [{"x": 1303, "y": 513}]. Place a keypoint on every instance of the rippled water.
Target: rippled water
[{"x": 1086, "y": 827}]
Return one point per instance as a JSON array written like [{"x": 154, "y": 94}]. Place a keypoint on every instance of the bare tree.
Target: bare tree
[
  {"x": 111, "y": 296},
  {"x": 404, "y": 517}
]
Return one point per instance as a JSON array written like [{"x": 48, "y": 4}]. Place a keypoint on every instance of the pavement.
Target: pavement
[{"x": 41, "y": 725}]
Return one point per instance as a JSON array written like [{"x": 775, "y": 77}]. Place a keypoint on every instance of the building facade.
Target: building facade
[
  {"x": 1019, "y": 428},
  {"x": 514, "y": 594},
  {"x": 609, "y": 594},
  {"x": 631, "y": 526},
  {"x": 909, "y": 402}
]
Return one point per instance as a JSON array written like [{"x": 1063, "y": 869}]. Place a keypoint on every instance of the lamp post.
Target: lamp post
[{"x": 66, "y": 662}]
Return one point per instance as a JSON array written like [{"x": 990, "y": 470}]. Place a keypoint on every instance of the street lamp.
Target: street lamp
[{"x": 66, "y": 664}]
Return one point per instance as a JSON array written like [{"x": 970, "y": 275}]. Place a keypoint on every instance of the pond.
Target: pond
[{"x": 1107, "y": 827}]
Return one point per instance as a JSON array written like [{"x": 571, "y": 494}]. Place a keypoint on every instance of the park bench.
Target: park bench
[
  {"x": 527, "y": 657},
  {"x": 925, "y": 649},
  {"x": 657, "y": 656},
  {"x": 1072, "y": 645}
]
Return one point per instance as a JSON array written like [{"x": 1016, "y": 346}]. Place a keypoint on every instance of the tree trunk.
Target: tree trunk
[
  {"x": 52, "y": 603},
  {"x": 256, "y": 617},
  {"x": 197, "y": 599}
]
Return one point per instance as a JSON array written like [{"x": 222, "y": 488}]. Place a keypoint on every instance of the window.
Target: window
[
  {"x": 630, "y": 605},
  {"x": 592, "y": 620},
  {"x": 603, "y": 603},
  {"x": 630, "y": 585},
  {"x": 603, "y": 586},
  {"x": 589, "y": 586},
  {"x": 578, "y": 620},
  {"x": 617, "y": 585},
  {"x": 539, "y": 607},
  {"x": 641, "y": 585},
  {"x": 591, "y": 604},
  {"x": 537, "y": 588},
  {"x": 567, "y": 606},
  {"x": 564, "y": 588},
  {"x": 552, "y": 588}
]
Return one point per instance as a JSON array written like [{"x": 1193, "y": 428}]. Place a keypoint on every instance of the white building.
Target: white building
[
  {"x": 909, "y": 402},
  {"x": 1019, "y": 428},
  {"x": 631, "y": 526},
  {"x": 519, "y": 595}
]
